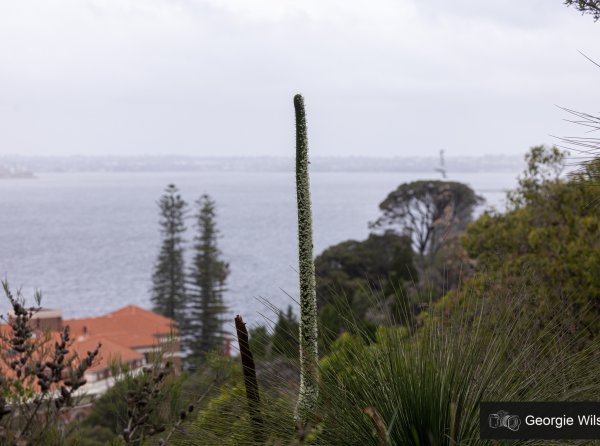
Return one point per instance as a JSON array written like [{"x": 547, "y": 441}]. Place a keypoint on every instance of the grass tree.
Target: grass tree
[{"x": 309, "y": 357}]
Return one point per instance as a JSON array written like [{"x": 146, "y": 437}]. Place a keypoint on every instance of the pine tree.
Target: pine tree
[
  {"x": 206, "y": 310},
  {"x": 168, "y": 280}
]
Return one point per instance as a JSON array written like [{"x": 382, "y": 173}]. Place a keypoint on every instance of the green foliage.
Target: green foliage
[
  {"x": 205, "y": 307},
  {"x": 285, "y": 335},
  {"x": 343, "y": 315},
  {"x": 350, "y": 268},
  {"x": 354, "y": 278},
  {"x": 281, "y": 343},
  {"x": 351, "y": 273},
  {"x": 586, "y": 7},
  {"x": 259, "y": 342},
  {"x": 112, "y": 412},
  {"x": 93, "y": 435},
  {"x": 426, "y": 389},
  {"x": 168, "y": 280},
  {"x": 223, "y": 418},
  {"x": 417, "y": 389},
  {"x": 225, "y": 421},
  {"x": 544, "y": 166},
  {"x": 118, "y": 411},
  {"x": 548, "y": 242}
]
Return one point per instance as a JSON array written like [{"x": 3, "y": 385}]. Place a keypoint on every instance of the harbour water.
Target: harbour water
[{"x": 89, "y": 240}]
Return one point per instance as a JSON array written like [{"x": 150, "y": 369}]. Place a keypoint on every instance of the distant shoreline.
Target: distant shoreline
[
  {"x": 457, "y": 164},
  {"x": 6, "y": 174}
]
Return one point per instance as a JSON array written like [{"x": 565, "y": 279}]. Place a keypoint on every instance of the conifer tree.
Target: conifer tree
[
  {"x": 168, "y": 280},
  {"x": 206, "y": 310}
]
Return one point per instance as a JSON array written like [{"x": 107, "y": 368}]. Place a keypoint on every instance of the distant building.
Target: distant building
[
  {"x": 141, "y": 331},
  {"x": 129, "y": 335}
]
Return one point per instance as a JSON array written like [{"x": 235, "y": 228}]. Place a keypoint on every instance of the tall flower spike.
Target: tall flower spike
[{"x": 309, "y": 357}]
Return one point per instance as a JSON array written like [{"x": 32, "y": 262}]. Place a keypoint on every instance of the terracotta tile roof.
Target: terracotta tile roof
[
  {"x": 130, "y": 326},
  {"x": 109, "y": 352},
  {"x": 4, "y": 329},
  {"x": 132, "y": 310},
  {"x": 119, "y": 332}
]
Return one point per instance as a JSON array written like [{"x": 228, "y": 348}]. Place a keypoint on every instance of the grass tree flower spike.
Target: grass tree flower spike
[{"x": 309, "y": 371}]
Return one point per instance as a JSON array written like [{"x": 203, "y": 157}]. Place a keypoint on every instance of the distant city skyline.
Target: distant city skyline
[
  {"x": 383, "y": 78},
  {"x": 20, "y": 165}
]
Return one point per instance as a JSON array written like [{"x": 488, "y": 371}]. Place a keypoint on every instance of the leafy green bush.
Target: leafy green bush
[
  {"x": 224, "y": 420},
  {"x": 548, "y": 242},
  {"x": 355, "y": 269}
]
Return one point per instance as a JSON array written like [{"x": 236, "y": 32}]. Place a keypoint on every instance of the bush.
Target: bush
[{"x": 426, "y": 389}]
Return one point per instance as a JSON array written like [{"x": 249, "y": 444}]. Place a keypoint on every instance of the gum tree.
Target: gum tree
[{"x": 430, "y": 212}]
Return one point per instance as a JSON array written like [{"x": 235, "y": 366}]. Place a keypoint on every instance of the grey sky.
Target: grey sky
[{"x": 216, "y": 77}]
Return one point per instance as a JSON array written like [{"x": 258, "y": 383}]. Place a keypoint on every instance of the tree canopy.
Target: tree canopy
[
  {"x": 352, "y": 267},
  {"x": 586, "y": 7},
  {"x": 430, "y": 212},
  {"x": 547, "y": 244}
]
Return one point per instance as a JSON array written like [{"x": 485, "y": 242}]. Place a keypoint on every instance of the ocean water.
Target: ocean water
[{"x": 89, "y": 240}]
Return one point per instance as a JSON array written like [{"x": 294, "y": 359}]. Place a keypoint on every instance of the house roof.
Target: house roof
[
  {"x": 110, "y": 352},
  {"x": 130, "y": 326},
  {"x": 120, "y": 333},
  {"x": 133, "y": 310}
]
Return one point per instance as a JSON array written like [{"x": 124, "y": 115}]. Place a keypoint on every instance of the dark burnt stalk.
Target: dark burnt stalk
[{"x": 250, "y": 382}]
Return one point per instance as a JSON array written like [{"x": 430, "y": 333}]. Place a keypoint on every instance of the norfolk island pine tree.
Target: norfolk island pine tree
[
  {"x": 205, "y": 309},
  {"x": 168, "y": 293}
]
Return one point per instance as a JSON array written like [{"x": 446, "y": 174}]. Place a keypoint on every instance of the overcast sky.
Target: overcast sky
[{"x": 216, "y": 77}]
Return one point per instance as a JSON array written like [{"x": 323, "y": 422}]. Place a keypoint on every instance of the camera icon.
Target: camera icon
[{"x": 504, "y": 419}]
